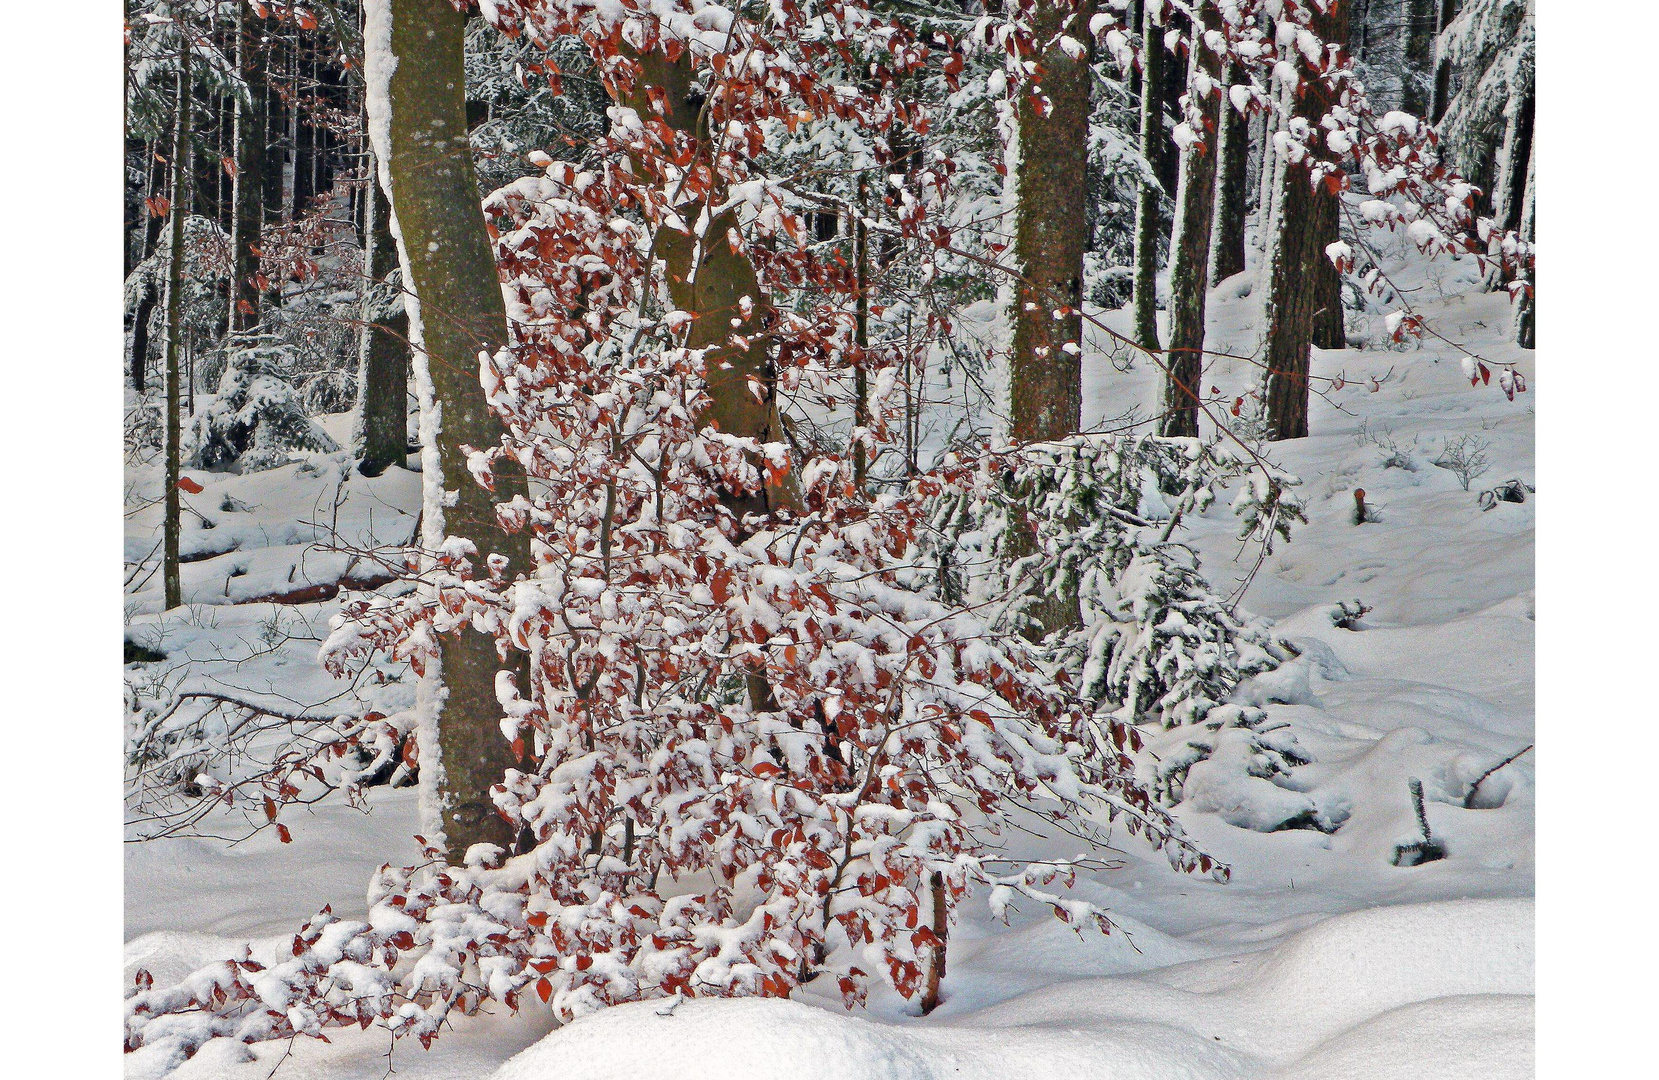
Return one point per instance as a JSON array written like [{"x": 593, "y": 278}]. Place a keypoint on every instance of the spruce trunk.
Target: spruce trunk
[
  {"x": 449, "y": 267},
  {"x": 171, "y": 590},
  {"x": 1045, "y": 376},
  {"x": 1146, "y": 203},
  {"x": 1296, "y": 288},
  {"x": 1189, "y": 244},
  {"x": 247, "y": 198},
  {"x": 1051, "y": 198},
  {"x": 1328, "y": 329}
]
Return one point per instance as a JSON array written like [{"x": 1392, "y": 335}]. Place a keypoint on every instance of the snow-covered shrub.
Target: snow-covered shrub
[
  {"x": 201, "y": 299},
  {"x": 1163, "y": 646},
  {"x": 257, "y": 419},
  {"x": 331, "y": 391},
  {"x": 750, "y": 747},
  {"x": 1234, "y": 764},
  {"x": 1157, "y": 647},
  {"x": 1464, "y": 457}
]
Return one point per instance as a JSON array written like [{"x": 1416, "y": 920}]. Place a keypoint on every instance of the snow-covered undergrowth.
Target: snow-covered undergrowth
[{"x": 1333, "y": 951}]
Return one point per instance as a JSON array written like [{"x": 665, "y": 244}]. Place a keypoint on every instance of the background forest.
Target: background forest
[{"x": 998, "y": 535}]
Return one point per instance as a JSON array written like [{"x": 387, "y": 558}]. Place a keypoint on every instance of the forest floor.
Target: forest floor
[{"x": 1321, "y": 958}]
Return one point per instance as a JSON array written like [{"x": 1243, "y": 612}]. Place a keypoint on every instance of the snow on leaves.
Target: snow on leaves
[{"x": 751, "y": 747}]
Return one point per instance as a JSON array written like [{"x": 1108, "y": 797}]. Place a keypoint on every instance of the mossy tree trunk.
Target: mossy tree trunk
[
  {"x": 1189, "y": 244},
  {"x": 450, "y": 268}
]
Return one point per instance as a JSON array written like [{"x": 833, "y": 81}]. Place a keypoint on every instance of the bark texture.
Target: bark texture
[
  {"x": 1051, "y": 193},
  {"x": 1297, "y": 260},
  {"x": 382, "y": 422},
  {"x": 1146, "y": 203},
  {"x": 1328, "y": 329},
  {"x": 1440, "y": 93},
  {"x": 1189, "y": 244},
  {"x": 451, "y": 268},
  {"x": 171, "y": 591},
  {"x": 1045, "y": 377},
  {"x": 247, "y": 198}
]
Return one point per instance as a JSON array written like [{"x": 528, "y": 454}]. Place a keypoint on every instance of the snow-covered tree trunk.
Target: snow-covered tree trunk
[
  {"x": 417, "y": 120},
  {"x": 1297, "y": 263},
  {"x": 1232, "y": 186},
  {"x": 1440, "y": 90},
  {"x": 1417, "y": 29},
  {"x": 381, "y": 425},
  {"x": 171, "y": 590},
  {"x": 1526, "y": 313},
  {"x": 1045, "y": 380},
  {"x": 248, "y": 213},
  {"x": 1267, "y": 183},
  {"x": 1146, "y": 203},
  {"x": 142, "y": 312},
  {"x": 1189, "y": 244},
  {"x": 1509, "y": 187}
]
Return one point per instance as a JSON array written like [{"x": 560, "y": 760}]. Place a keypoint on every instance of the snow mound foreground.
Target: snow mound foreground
[{"x": 1426, "y": 990}]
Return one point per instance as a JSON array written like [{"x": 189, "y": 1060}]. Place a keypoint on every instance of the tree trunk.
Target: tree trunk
[
  {"x": 1526, "y": 308},
  {"x": 1045, "y": 376},
  {"x": 303, "y": 134},
  {"x": 1509, "y": 192},
  {"x": 936, "y": 952},
  {"x": 1328, "y": 329},
  {"x": 383, "y": 348},
  {"x": 708, "y": 279},
  {"x": 151, "y": 295},
  {"x": 141, "y": 333},
  {"x": 1267, "y": 183},
  {"x": 1417, "y": 30},
  {"x": 249, "y": 211},
  {"x": 171, "y": 591},
  {"x": 1232, "y": 187},
  {"x": 449, "y": 266},
  {"x": 274, "y": 63},
  {"x": 1189, "y": 244},
  {"x": 1051, "y": 198},
  {"x": 1440, "y": 92},
  {"x": 1146, "y": 204},
  {"x": 1295, "y": 288}
]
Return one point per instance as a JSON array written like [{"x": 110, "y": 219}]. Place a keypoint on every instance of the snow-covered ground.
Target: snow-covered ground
[{"x": 1321, "y": 958}]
